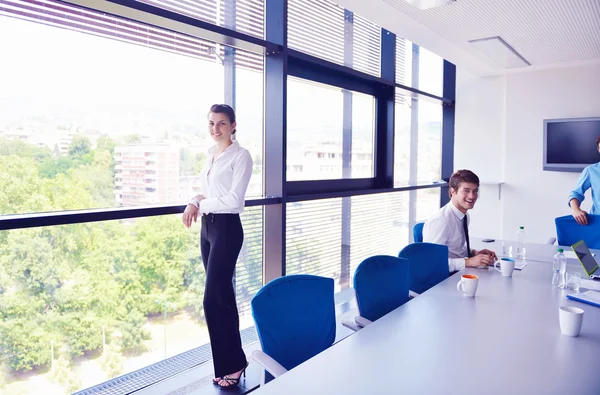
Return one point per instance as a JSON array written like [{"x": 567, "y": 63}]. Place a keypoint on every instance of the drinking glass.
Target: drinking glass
[{"x": 573, "y": 281}]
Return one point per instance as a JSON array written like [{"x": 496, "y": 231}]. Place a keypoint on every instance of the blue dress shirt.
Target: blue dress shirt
[{"x": 589, "y": 178}]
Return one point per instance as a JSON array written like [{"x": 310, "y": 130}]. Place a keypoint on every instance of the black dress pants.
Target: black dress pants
[{"x": 221, "y": 240}]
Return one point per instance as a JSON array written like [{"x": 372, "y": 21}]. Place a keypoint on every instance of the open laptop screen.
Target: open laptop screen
[{"x": 585, "y": 257}]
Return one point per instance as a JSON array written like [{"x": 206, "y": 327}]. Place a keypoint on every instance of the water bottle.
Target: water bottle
[
  {"x": 562, "y": 273},
  {"x": 521, "y": 243},
  {"x": 559, "y": 268}
]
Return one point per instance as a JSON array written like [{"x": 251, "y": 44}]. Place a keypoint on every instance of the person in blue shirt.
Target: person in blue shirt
[{"x": 589, "y": 178}]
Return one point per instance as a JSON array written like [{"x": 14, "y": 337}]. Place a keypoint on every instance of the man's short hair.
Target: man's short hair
[
  {"x": 597, "y": 141},
  {"x": 462, "y": 176}
]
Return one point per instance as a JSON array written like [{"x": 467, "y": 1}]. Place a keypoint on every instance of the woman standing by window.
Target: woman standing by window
[{"x": 224, "y": 180}]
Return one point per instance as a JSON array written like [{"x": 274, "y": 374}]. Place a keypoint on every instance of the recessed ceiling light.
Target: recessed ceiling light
[
  {"x": 425, "y": 4},
  {"x": 499, "y": 51}
]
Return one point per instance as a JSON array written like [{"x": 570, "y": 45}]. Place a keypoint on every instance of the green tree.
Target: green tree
[
  {"x": 131, "y": 329},
  {"x": 161, "y": 243},
  {"x": 199, "y": 163},
  {"x": 186, "y": 162},
  {"x": 257, "y": 164},
  {"x": 98, "y": 181},
  {"x": 190, "y": 164},
  {"x": 80, "y": 146},
  {"x": 25, "y": 342},
  {"x": 63, "y": 374},
  {"x": 23, "y": 150},
  {"x": 112, "y": 360},
  {"x": 20, "y": 186},
  {"x": 50, "y": 167},
  {"x": 63, "y": 284},
  {"x": 105, "y": 145},
  {"x": 3, "y": 376},
  {"x": 133, "y": 139}
]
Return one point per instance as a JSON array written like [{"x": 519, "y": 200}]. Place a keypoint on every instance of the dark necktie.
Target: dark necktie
[{"x": 466, "y": 229}]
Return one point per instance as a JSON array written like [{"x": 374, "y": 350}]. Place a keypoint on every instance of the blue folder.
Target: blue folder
[{"x": 588, "y": 297}]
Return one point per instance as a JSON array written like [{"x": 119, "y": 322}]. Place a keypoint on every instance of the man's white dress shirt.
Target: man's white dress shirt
[
  {"x": 224, "y": 180},
  {"x": 446, "y": 227}
]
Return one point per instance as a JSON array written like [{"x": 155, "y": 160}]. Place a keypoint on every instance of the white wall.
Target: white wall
[
  {"x": 499, "y": 135},
  {"x": 479, "y": 144}
]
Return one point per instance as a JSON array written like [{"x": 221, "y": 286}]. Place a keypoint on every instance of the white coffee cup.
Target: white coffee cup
[
  {"x": 507, "y": 266},
  {"x": 468, "y": 285},
  {"x": 570, "y": 319}
]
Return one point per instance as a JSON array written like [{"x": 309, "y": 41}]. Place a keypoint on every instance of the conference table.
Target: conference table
[{"x": 505, "y": 340}]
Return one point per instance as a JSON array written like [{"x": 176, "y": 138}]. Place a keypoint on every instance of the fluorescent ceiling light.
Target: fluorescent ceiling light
[
  {"x": 425, "y": 4},
  {"x": 499, "y": 51}
]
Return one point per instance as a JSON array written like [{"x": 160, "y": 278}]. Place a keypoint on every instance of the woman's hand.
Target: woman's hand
[
  {"x": 190, "y": 214},
  {"x": 191, "y": 211}
]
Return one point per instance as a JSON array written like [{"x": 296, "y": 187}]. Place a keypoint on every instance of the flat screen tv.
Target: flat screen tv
[{"x": 570, "y": 144}]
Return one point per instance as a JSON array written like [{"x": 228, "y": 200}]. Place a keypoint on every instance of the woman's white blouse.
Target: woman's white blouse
[{"x": 225, "y": 179}]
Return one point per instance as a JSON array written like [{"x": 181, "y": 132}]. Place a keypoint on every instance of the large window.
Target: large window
[
  {"x": 331, "y": 237},
  {"x": 402, "y": 139},
  {"x": 378, "y": 226},
  {"x": 122, "y": 124},
  {"x": 245, "y": 16},
  {"x": 325, "y": 140},
  {"x": 418, "y": 140},
  {"x": 314, "y": 238},
  {"x": 431, "y": 72},
  {"x": 325, "y": 30},
  {"x": 103, "y": 134},
  {"x": 428, "y": 203},
  {"x": 80, "y": 304},
  {"x": 429, "y": 141},
  {"x": 419, "y": 68},
  {"x": 404, "y": 61}
]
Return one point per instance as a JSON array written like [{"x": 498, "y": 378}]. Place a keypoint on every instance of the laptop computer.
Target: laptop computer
[{"x": 586, "y": 259}]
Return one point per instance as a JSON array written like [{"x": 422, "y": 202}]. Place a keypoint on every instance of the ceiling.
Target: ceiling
[{"x": 547, "y": 33}]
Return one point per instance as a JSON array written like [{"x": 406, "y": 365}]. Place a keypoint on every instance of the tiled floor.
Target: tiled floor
[{"x": 197, "y": 381}]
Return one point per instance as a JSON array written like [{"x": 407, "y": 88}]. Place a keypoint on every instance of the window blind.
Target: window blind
[
  {"x": 62, "y": 15},
  {"x": 318, "y": 28}
]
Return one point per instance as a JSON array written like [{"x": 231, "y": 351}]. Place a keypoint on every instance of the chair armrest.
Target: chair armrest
[
  {"x": 551, "y": 240},
  {"x": 268, "y": 363},
  {"x": 351, "y": 324},
  {"x": 362, "y": 321}
]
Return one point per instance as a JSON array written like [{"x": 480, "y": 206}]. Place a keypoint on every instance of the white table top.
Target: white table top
[{"x": 506, "y": 340}]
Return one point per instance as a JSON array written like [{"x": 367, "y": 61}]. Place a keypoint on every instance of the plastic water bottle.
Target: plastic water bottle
[
  {"x": 562, "y": 274},
  {"x": 521, "y": 243},
  {"x": 559, "y": 267}
]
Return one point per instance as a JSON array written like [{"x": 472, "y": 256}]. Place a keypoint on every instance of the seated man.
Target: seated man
[{"x": 450, "y": 225}]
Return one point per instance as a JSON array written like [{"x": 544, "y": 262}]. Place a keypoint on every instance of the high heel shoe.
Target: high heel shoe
[{"x": 232, "y": 382}]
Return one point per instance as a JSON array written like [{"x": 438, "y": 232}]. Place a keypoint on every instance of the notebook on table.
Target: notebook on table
[{"x": 589, "y": 297}]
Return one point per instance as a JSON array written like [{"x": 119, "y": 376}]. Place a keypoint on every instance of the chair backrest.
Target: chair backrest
[
  {"x": 569, "y": 232},
  {"x": 418, "y": 232},
  {"x": 381, "y": 285},
  {"x": 295, "y": 317},
  {"x": 428, "y": 265}
]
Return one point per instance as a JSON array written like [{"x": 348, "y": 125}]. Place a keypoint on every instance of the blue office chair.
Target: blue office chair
[
  {"x": 381, "y": 285},
  {"x": 428, "y": 265},
  {"x": 295, "y": 320},
  {"x": 418, "y": 232},
  {"x": 570, "y": 232}
]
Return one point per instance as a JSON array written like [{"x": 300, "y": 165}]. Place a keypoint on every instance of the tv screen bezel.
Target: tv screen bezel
[{"x": 566, "y": 167}]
